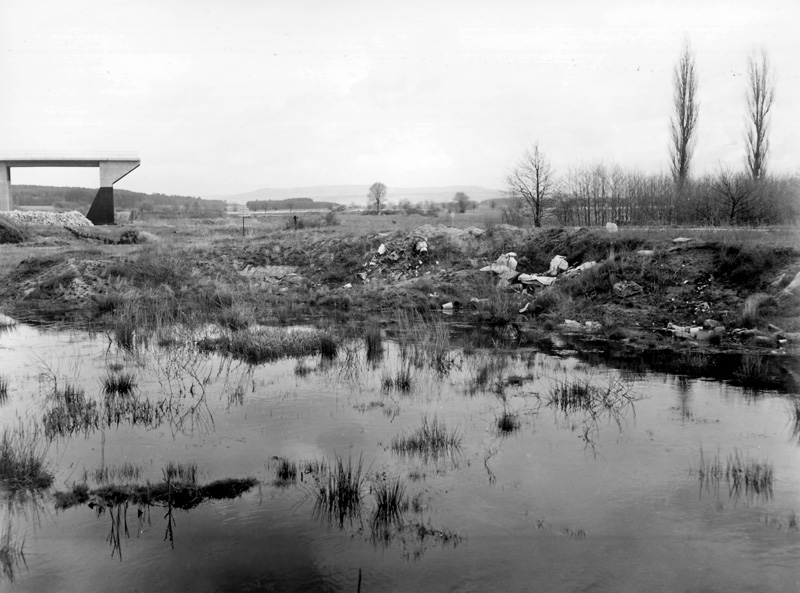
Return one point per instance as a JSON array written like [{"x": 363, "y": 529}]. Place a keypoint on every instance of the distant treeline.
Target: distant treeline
[
  {"x": 290, "y": 204},
  {"x": 80, "y": 198}
]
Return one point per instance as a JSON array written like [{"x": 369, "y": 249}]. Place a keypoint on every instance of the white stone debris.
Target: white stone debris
[{"x": 73, "y": 218}]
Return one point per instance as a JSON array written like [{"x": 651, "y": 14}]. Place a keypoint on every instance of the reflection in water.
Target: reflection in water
[
  {"x": 580, "y": 404},
  {"x": 744, "y": 477}
]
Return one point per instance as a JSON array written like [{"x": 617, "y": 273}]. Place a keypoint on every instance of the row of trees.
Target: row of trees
[{"x": 600, "y": 193}]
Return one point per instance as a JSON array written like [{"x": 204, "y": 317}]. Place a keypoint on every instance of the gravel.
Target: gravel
[{"x": 73, "y": 218}]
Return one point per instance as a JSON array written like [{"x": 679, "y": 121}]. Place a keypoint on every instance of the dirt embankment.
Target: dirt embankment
[{"x": 635, "y": 286}]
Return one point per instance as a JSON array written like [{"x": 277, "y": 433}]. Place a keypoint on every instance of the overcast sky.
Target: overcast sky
[{"x": 221, "y": 97}]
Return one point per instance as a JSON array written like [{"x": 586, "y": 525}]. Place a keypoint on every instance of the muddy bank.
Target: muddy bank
[{"x": 635, "y": 287}]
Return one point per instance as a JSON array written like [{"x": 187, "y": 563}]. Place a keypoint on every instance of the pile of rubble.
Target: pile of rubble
[
  {"x": 73, "y": 218},
  {"x": 505, "y": 267},
  {"x": 73, "y": 280},
  {"x": 398, "y": 261}
]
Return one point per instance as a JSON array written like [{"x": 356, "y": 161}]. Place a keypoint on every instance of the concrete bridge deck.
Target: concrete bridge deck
[{"x": 113, "y": 167}]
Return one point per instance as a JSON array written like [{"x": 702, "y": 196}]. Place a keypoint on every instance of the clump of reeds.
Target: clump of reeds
[
  {"x": 339, "y": 490},
  {"x": 285, "y": 471},
  {"x": 391, "y": 504},
  {"x": 743, "y": 475},
  {"x": 425, "y": 342},
  {"x": 3, "y": 389},
  {"x": 121, "y": 384},
  {"x": 508, "y": 421},
  {"x": 374, "y": 343},
  {"x": 328, "y": 346},
  {"x": 185, "y": 473},
  {"x": 402, "y": 380},
  {"x": 571, "y": 395},
  {"x": 72, "y": 412},
  {"x": 127, "y": 471},
  {"x": 22, "y": 459},
  {"x": 748, "y": 475},
  {"x": 265, "y": 344},
  {"x": 753, "y": 372},
  {"x": 433, "y": 438}
]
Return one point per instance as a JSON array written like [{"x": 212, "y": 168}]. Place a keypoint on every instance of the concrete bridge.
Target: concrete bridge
[{"x": 113, "y": 167}]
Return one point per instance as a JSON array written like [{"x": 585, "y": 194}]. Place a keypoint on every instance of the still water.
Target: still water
[{"x": 617, "y": 498}]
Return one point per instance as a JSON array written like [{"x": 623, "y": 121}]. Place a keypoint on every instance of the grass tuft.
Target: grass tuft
[
  {"x": 402, "y": 381},
  {"x": 71, "y": 413},
  {"x": 266, "y": 344},
  {"x": 339, "y": 490},
  {"x": 119, "y": 384},
  {"x": 432, "y": 438},
  {"x": 184, "y": 473},
  {"x": 3, "y": 389},
  {"x": 22, "y": 460},
  {"x": 285, "y": 472},
  {"x": 508, "y": 421}
]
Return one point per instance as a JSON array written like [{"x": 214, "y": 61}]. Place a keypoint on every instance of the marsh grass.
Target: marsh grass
[
  {"x": 402, "y": 381},
  {"x": 743, "y": 475},
  {"x": 266, "y": 344},
  {"x": 425, "y": 342},
  {"x": 22, "y": 459},
  {"x": 486, "y": 372},
  {"x": 3, "y": 389},
  {"x": 508, "y": 421},
  {"x": 592, "y": 402},
  {"x": 285, "y": 472},
  {"x": 179, "y": 495},
  {"x": 432, "y": 439},
  {"x": 339, "y": 490},
  {"x": 391, "y": 504},
  {"x": 122, "y": 384},
  {"x": 184, "y": 473},
  {"x": 71, "y": 413},
  {"x": 126, "y": 472},
  {"x": 749, "y": 476},
  {"x": 754, "y": 373}
]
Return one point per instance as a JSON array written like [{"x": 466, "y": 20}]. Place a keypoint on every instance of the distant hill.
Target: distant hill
[
  {"x": 80, "y": 198},
  {"x": 357, "y": 194}
]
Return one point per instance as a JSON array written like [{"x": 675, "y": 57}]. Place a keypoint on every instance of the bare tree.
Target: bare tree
[
  {"x": 532, "y": 181},
  {"x": 462, "y": 201},
  {"x": 735, "y": 192},
  {"x": 683, "y": 123},
  {"x": 377, "y": 192},
  {"x": 760, "y": 95}
]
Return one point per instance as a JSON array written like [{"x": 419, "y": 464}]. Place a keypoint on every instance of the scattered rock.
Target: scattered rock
[
  {"x": 626, "y": 288},
  {"x": 611, "y": 227},
  {"x": 6, "y": 321}
]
